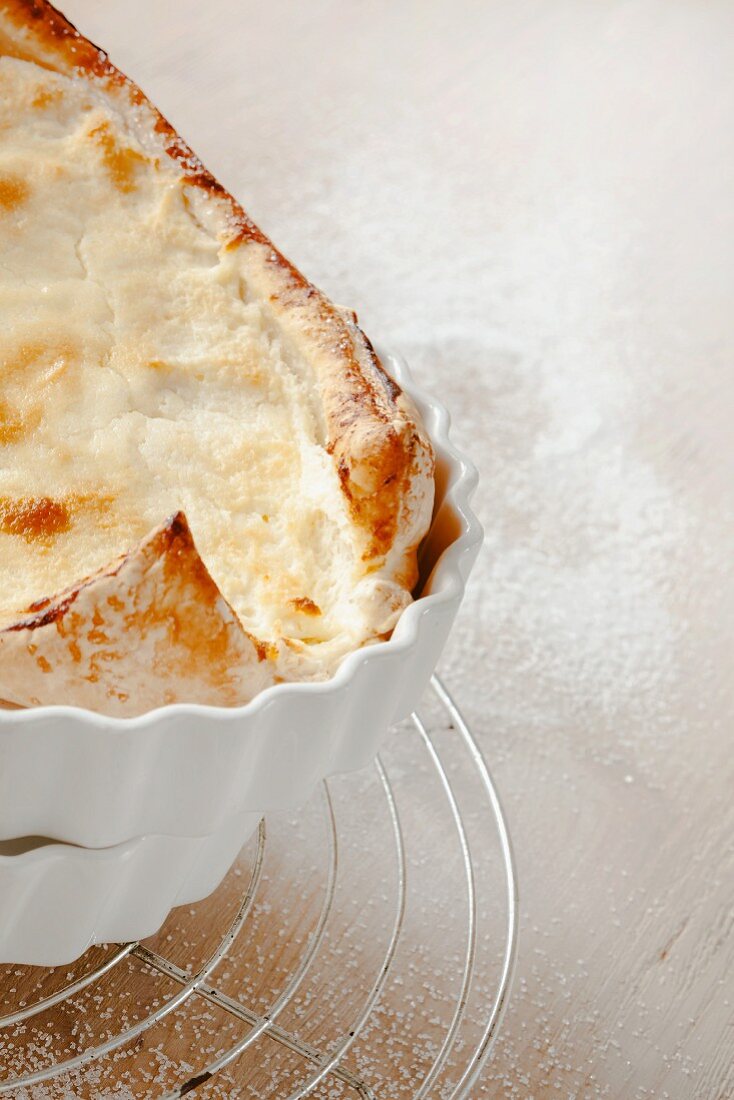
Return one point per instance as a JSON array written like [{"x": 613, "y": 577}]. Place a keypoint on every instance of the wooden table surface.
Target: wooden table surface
[{"x": 535, "y": 203}]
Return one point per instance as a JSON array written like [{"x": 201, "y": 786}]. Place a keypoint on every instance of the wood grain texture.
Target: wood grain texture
[{"x": 533, "y": 202}]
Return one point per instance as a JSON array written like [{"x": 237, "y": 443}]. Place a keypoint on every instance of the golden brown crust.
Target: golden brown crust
[{"x": 377, "y": 444}]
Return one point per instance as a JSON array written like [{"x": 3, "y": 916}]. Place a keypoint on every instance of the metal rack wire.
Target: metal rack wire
[{"x": 329, "y": 1063}]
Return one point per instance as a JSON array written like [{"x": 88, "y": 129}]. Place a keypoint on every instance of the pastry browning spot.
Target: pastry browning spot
[
  {"x": 266, "y": 651},
  {"x": 305, "y": 606},
  {"x": 13, "y": 192},
  {"x": 119, "y": 161},
  {"x": 96, "y": 635},
  {"x": 34, "y": 518},
  {"x": 45, "y": 97},
  {"x": 11, "y": 428}
]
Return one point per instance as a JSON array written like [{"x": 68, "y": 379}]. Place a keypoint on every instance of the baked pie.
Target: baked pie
[{"x": 208, "y": 484}]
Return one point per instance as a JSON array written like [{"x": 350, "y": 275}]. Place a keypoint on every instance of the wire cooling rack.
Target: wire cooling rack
[{"x": 363, "y": 948}]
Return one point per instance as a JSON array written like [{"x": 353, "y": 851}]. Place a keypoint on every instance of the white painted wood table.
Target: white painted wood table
[{"x": 534, "y": 201}]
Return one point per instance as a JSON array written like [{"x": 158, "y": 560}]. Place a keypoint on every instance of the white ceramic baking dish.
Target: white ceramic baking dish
[
  {"x": 184, "y": 770},
  {"x": 57, "y": 899}
]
